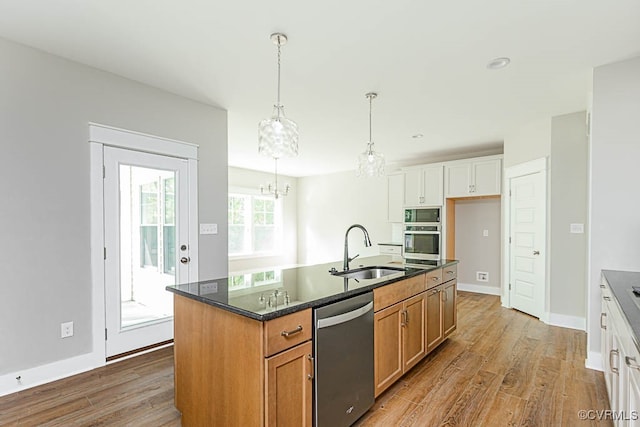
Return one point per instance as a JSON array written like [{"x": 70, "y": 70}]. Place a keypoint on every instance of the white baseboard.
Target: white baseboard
[
  {"x": 562, "y": 320},
  {"x": 46, "y": 373},
  {"x": 479, "y": 289},
  {"x": 594, "y": 361}
]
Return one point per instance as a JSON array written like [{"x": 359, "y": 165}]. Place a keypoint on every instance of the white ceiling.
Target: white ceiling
[{"x": 426, "y": 59}]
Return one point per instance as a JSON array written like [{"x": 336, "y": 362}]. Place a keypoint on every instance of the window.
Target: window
[
  {"x": 157, "y": 224},
  {"x": 249, "y": 280},
  {"x": 255, "y": 225}
]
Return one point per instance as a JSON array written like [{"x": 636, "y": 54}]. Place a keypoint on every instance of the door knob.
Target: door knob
[
  {"x": 536, "y": 252},
  {"x": 185, "y": 260}
]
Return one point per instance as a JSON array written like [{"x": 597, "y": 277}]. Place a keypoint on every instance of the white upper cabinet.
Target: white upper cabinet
[
  {"x": 395, "y": 197},
  {"x": 423, "y": 186},
  {"x": 473, "y": 177}
]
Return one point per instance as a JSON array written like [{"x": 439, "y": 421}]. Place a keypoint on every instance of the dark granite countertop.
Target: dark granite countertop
[
  {"x": 620, "y": 283},
  {"x": 304, "y": 287}
]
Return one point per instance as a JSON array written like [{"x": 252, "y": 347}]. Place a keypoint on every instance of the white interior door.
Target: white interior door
[
  {"x": 146, "y": 218},
  {"x": 527, "y": 218}
]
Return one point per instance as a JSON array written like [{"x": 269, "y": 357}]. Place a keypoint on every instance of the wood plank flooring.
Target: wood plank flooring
[{"x": 501, "y": 368}]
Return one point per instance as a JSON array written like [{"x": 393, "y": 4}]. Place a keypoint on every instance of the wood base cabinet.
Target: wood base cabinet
[
  {"x": 399, "y": 340},
  {"x": 233, "y": 370},
  {"x": 442, "y": 317},
  {"x": 289, "y": 387},
  {"x": 399, "y": 334}
]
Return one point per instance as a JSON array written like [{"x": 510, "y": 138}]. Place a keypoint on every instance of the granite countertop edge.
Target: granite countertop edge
[{"x": 410, "y": 272}]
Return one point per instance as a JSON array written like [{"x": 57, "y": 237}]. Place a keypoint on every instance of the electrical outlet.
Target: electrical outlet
[
  {"x": 482, "y": 276},
  {"x": 66, "y": 330}
]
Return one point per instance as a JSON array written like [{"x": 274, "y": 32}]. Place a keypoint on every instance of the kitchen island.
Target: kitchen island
[{"x": 244, "y": 355}]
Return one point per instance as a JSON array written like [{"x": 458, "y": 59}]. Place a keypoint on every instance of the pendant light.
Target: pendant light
[
  {"x": 273, "y": 189},
  {"x": 278, "y": 136},
  {"x": 370, "y": 163}
]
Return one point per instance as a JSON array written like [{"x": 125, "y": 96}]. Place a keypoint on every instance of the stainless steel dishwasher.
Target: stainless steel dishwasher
[{"x": 344, "y": 388}]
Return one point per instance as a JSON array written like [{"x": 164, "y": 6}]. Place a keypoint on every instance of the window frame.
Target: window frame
[{"x": 278, "y": 212}]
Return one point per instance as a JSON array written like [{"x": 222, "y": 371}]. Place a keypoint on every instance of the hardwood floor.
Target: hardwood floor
[{"x": 501, "y": 368}]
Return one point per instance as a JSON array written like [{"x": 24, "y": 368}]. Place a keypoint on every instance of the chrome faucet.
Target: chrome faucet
[{"x": 367, "y": 243}]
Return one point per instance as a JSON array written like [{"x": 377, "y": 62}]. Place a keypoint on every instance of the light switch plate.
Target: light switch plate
[
  {"x": 485, "y": 233},
  {"x": 576, "y": 228},
  {"x": 208, "y": 228}
]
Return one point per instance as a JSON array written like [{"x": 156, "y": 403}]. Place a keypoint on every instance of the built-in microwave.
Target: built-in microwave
[{"x": 422, "y": 215}]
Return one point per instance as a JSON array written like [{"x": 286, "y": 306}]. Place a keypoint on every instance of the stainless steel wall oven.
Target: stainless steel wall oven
[{"x": 422, "y": 236}]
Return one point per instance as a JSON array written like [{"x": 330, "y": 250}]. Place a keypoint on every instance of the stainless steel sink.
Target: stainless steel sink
[{"x": 374, "y": 272}]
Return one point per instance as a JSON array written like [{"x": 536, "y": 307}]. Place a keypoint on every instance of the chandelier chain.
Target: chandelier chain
[{"x": 278, "y": 105}]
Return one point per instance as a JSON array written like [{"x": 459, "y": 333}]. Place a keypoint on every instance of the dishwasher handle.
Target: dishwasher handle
[{"x": 344, "y": 317}]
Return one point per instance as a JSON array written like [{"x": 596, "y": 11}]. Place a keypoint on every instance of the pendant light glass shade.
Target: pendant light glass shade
[
  {"x": 370, "y": 163},
  {"x": 278, "y": 136}
]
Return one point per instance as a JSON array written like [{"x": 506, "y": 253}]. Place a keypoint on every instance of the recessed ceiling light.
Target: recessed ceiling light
[
  {"x": 417, "y": 136},
  {"x": 496, "y": 64}
]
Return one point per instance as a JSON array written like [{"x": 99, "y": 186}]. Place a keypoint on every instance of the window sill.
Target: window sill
[{"x": 255, "y": 256}]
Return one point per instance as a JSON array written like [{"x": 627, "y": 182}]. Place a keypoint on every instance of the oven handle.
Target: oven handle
[
  {"x": 409, "y": 233},
  {"x": 345, "y": 317}
]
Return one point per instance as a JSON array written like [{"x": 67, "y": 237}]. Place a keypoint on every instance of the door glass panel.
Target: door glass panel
[{"x": 147, "y": 245}]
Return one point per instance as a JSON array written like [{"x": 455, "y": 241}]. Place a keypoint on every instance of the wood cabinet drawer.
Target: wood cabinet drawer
[
  {"x": 287, "y": 331},
  {"x": 449, "y": 273},
  {"x": 388, "y": 295},
  {"x": 434, "y": 278}
]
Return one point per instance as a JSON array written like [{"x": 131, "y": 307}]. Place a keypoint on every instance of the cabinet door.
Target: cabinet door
[
  {"x": 613, "y": 362},
  {"x": 387, "y": 343},
  {"x": 288, "y": 381},
  {"x": 486, "y": 177},
  {"x": 395, "y": 198},
  {"x": 449, "y": 311},
  {"x": 413, "y": 331},
  {"x": 433, "y": 184},
  {"x": 434, "y": 318},
  {"x": 606, "y": 341},
  {"x": 634, "y": 392},
  {"x": 458, "y": 179},
  {"x": 633, "y": 364},
  {"x": 413, "y": 195}
]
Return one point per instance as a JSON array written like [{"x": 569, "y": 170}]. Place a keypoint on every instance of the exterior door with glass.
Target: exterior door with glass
[{"x": 146, "y": 206}]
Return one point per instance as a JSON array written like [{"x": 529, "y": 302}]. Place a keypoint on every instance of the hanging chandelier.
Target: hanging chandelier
[
  {"x": 278, "y": 136},
  {"x": 370, "y": 163},
  {"x": 273, "y": 188}
]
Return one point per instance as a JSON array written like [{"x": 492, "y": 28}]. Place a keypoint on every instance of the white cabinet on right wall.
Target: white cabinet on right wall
[{"x": 473, "y": 177}]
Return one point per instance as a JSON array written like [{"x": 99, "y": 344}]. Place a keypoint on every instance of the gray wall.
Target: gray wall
[
  {"x": 562, "y": 139},
  {"x": 531, "y": 141},
  {"x": 475, "y": 251},
  {"x": 46, "y": 104},
  {"x": 568, "y": 202},
  {"x": 615, "y": 174}
]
